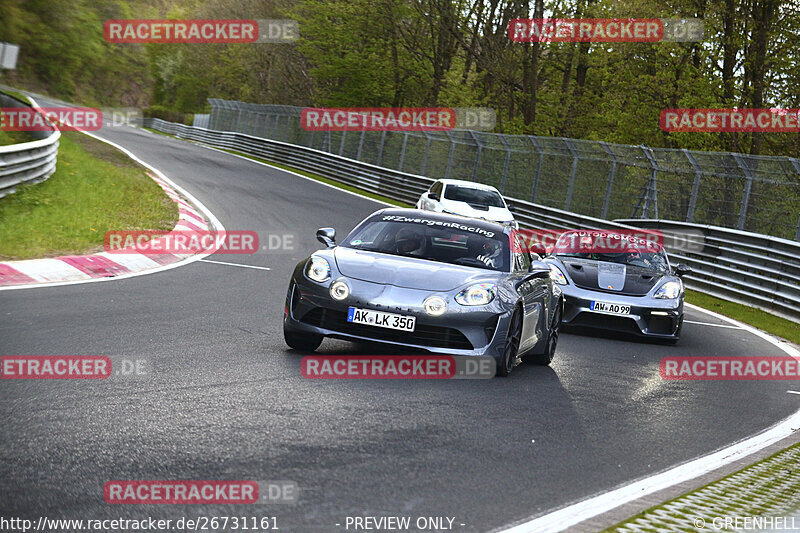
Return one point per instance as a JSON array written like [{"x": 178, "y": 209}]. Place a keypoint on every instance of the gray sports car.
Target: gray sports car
[
  {"x": 443, "y": 283},
  {"x": 632, "y": 290}
]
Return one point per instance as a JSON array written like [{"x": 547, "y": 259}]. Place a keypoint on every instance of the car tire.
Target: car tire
[
  {"x": 550, "y": 345},
  {"x": 511, "y": 347},
  {"x": 302, "y": 342}
]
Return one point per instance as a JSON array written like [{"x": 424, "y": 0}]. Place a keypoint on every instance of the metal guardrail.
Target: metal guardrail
[
  {"x": 749, "y": 268},
  {"x": 29, "y": 162}
]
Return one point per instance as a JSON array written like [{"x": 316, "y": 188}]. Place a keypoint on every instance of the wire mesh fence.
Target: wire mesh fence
[{"x": 759, "y": 194}]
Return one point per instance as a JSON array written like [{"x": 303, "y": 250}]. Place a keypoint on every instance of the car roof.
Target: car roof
[
  {"x": 444, "y": 217},
  {"x": 471, "y": 184}
]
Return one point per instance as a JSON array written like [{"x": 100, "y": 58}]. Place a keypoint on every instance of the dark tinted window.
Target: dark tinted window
[{"x": 469, "y": 195}]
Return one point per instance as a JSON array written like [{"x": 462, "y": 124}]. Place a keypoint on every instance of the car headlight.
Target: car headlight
[
  {"x": 478, "y": 294},
  {"x": 668, "y": 291},
  {"x": 339, "y": 290},
  {"x": 318, "y": 269},
  {"x": 557, "y": 276},
  {"x": 435, "y": 305}
]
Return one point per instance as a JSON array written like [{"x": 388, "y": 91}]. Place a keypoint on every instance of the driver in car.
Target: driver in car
[{"x": 407, "y": 241}]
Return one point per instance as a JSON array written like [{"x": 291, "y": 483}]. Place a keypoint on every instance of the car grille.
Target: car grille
[
  {"x": 423, "y": 335},
  {"x": 609, "y": 322},
  {"x": 664, "y": 325}
]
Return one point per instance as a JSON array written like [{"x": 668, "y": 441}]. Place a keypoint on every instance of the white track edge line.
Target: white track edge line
[
  {"x": 593, "y": 506},
  {"x": 234, "y": 264},
  {"x": 213, "y": 221}
]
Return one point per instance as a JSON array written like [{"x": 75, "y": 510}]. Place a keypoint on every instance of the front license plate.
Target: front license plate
[
  {"x": 381, "y": 319},
  {"x": 611, "y": 309}
]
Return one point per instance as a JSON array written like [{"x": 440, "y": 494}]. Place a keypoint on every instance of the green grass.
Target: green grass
[
  {"x": 95, "y": 189},
  {"x": 749, "y": 315},
  {"x": 14, "y": 137}
]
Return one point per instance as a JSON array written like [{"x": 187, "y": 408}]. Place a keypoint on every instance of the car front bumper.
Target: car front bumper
[
  {"x": 461, "y": 330},
  {"x": 649, "y": 317}
]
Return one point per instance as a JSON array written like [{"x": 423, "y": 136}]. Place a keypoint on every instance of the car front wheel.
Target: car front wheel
[
  {"x": 506, "y": 363},
  {"x": 302, "y": 342}
]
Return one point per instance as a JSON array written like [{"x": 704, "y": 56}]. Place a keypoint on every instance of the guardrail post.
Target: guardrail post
[
  {"x": 425, "y": 153},
  {"x": 505, "y": 163},
  {"x": 450, "y": 155},
  {"x": 572, "y": 172},
  {"x": 539, "y": 150},
  {"x": 477, "y": 155},
  {"x": 611, "y": 173},
  {"x": 698, "y": 174},
  {"x": 402, "y": 152},
  {"x": 748, "y": 184},
  {"x": 380, "y": 148}
]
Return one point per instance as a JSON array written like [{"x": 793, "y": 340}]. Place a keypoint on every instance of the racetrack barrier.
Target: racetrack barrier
[{"x": 28, "y": 162}]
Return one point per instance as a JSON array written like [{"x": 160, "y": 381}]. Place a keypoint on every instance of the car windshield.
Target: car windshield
[
  {"x": 456, "y": 243},
  {"x": 473, "y": 196}
]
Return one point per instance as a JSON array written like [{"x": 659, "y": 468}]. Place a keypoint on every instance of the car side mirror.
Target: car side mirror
[
  {"x": 327, "y": 236},
  {"x": 538, "y": 270},
  {"x": 433, "y": 196},
  {"x": 682, "y": 269}
]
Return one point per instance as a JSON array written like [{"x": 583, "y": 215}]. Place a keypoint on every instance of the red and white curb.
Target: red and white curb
[{"x": 71, "y": 269}]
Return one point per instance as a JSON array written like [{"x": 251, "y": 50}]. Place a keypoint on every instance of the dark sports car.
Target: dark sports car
[
  {"x": 443, "y": 283},
  {"x": 629, "y": 288}
]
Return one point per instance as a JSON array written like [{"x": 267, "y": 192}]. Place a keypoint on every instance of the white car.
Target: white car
[{"x": 469, "y": 199}]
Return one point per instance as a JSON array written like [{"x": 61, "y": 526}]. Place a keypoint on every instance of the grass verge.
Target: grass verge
[
  {"x": 95, "y": 189},
  {"x": 767, "y": 488},
  {"x": 749, "y": 315}
]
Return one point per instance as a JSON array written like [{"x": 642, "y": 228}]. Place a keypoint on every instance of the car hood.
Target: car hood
[
  {"x": 495, "y": 214},
  {"x": 610, "y": 277},
  {"x": 406, "y": 272}
]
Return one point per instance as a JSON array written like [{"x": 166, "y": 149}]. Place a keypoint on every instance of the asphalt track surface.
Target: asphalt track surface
[{"x": 225, "y": 398}]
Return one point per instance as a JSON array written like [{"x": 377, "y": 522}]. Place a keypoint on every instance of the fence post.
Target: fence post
[
  {"x": 572, "y": 172},
  {"x": 477, "y": 155},
  {"x": 505, "y": 163},
  {"x": 796, "y": 165},
  {"x": 539, "y": 150},
  {"x": 288, "y": 127},
  {"x": 361, "y": 142},
  {"x": 748, "y": 184},
  {"x": 698, "y": 175},
  {"x": 450, "y": 155},
  {"x": 311, "y": 139},
  {"x": 611, "y": 173},
  {"x": 341, "y": 143},
  {"x": 425, "y": 153},
  {"x": 380, "y": 148},
  {"x": 402, "y": 152},
  {"x": 651, "y": 197}
]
